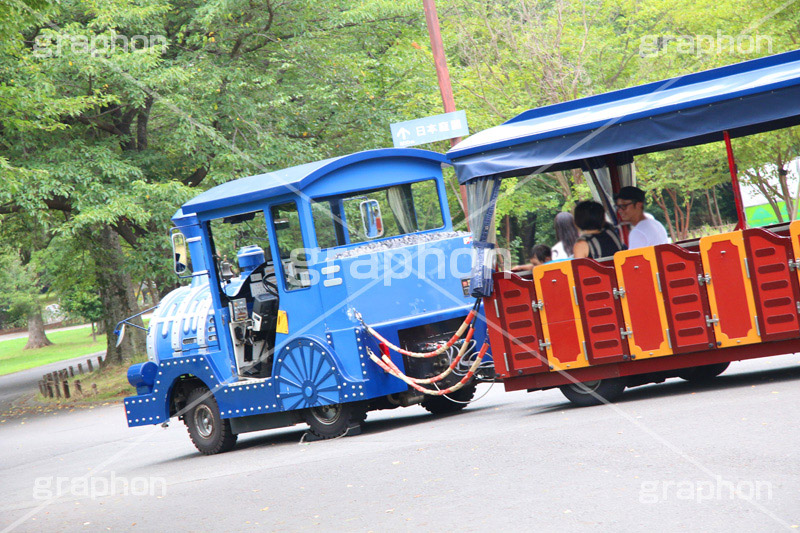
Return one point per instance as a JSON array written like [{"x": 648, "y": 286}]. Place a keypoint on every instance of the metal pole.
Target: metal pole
[
  {"x": 607, "y": 204},
  {"x": 737, "y": 194},
  {"x": 442, "y": 74}
]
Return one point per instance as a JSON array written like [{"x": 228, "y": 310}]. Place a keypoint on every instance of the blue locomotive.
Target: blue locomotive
[{"x": 287, "y": 270}]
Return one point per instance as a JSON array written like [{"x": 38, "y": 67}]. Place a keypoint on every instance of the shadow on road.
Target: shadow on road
[
  {"x": 294, "y": 435},
  {"x": 677, "y": 386}
]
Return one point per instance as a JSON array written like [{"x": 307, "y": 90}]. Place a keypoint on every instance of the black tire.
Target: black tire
[
  {"x": 442, "y": 405},
  {"x": 594, "y": 392},
  {"x": 208, "y": 431},
  {"x": 331, "y": 421},
  {"x": 699, "y": 374}
]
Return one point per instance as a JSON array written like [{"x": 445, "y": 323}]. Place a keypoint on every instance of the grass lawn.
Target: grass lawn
[{"x": 66, "y": 345}]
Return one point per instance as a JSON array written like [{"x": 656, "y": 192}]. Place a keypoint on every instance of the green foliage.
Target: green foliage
[
  {"x": 96, "y": 132},
  {"x": 67, "y": 344}
]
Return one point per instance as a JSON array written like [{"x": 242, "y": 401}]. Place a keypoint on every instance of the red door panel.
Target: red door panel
[
  {"x": 564, "y": 337},
  {"x": 601, "y": 313},
  {"x": 724, "y": 260},
  {"x": 642, "y": 298},
  {"x": 515, "y": 334},
  {"x": 685, "y": 300},
  {"x": 774, "y": 286}
]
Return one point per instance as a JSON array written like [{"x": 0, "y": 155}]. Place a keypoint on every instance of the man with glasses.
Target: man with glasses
[{"x": 645, "y": 230}]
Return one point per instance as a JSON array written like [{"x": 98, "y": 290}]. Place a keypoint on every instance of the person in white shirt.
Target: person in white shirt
[
  {"x": 566, "y": 233},
  {"x": 645, "y": 230}
]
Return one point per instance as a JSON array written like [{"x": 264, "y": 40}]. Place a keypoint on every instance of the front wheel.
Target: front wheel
[
  {"x": 208, "y": 431},
  {"x": 334, "y": 420},
  {"x": 594, "y": 392}
]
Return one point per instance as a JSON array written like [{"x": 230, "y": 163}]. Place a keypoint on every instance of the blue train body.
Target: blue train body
[{"x": 278, "y": 342}]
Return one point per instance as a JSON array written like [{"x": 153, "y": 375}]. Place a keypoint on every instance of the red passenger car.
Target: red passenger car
[{"x": 687, "y": 309}]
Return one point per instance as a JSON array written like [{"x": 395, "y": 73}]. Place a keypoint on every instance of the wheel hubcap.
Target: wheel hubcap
[
  {"x": 204, "y": 421},
  {"x": 327, "y": 414}
]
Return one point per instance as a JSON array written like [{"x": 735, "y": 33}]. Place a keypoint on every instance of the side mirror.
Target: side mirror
[
  {"x": 371, "y": 219},
  {"x": 120, "y": 335},
  {"x": 180, "y": 253}
]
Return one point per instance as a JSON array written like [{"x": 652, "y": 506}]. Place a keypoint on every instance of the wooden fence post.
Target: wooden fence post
[
  {"x": 65, "y": 383},
  {"x": 71, "y": 372},
  {"x": 89, "y": 365},
  {"x": 49, "y": 389},
  {"x": 80, "y": 368},
  {"x": 78, "y": 389},
  {"x": 94, "y": 389},
  {"x": 57, "y": 388}
]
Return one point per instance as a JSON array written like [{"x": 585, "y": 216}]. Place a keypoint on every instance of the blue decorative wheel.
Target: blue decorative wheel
[{"x": 307, "y": 376}]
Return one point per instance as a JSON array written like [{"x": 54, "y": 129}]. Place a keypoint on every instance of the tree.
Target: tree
[
  {"x": 110, "y": 138},
  {"x": 764, "y": 161},
  {"x": 23, "y": 294}
]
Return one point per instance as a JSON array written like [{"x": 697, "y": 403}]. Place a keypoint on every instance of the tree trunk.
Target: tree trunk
[
  {"x": 152, "y": 291},
  {"x": 117, "y": 296},
  {"x": 36, "y": 334},
  {"x": 663, "y": 205},
  {"x": 716, "y": 205},
  {"x": 715, "y": 222},
  {"x": 786, "y": 193}
]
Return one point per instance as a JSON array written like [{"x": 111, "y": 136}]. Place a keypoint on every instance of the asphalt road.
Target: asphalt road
[
  {"x": 12, "y": 386},
  {"x": 669, "y": 457}
]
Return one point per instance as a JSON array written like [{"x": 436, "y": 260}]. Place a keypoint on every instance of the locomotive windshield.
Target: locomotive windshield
[
  {"x": 404, "y": 209},
  {"x": 230, "y": 234}
]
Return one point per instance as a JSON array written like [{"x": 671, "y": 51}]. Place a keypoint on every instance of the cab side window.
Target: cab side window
[{"x": 294, "y": 263}]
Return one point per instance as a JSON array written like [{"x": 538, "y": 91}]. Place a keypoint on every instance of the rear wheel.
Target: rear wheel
[
  {"x": 594, "y": 392},
  {"x": 699, "y": 374},
  {"x": 334, "y": 420},
  {"x": 450, "y": 403},
  {"x": 208, "y": 431}
]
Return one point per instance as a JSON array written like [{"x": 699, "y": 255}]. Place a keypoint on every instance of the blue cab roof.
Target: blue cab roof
[
  {"x": 291, "y": 180},
  {"x": 744, "y": 98}
]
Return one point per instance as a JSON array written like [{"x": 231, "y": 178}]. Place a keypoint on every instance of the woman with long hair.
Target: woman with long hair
[
  {"x": 566, "y": 233},
  {"x": 598, "y": 238}
]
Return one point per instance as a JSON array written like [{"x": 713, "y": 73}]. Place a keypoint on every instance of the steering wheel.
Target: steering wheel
[{"x": 271, "y": 286}]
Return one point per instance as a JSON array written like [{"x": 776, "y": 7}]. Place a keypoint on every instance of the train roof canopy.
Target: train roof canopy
[
  {"x": 744, "y": 98},
  {"x": 293, "y": 179}
]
